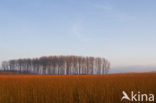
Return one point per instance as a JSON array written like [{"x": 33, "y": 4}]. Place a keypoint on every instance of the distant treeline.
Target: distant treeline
[{"x": 59, "y": 65}]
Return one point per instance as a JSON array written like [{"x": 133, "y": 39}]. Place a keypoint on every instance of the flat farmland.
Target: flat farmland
[{"x": 16, "y": 88}]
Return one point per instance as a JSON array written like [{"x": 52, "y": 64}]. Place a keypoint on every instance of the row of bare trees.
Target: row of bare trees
[{"x": 60, "y": 65}]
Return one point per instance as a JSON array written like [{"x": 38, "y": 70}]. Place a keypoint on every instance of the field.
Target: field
[{"x": 73, "y": 88}]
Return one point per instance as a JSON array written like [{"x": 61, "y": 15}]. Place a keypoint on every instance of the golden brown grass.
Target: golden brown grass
[{"x": 73, "y": 88}]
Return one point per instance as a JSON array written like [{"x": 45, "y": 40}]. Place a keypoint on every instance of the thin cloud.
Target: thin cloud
[
  {"x": 78, "y": 32},
  {"x": 103, "y": 6}
]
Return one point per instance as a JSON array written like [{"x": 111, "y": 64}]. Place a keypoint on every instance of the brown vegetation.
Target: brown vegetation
[{"x": 73, "y": 88}]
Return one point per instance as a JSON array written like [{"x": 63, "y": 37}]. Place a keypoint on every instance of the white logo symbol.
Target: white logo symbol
[
  {"x": 125, "y": 96},
  {"x": 137, "y": 97}
]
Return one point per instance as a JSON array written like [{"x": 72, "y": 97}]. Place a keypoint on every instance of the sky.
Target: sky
[{"x": 123, "y": 31}]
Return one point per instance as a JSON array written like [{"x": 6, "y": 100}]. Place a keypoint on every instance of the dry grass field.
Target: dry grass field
[{"x": 73, "y": 88}]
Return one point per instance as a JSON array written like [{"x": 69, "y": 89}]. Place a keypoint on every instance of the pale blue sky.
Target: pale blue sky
[{"x": 123, "y": 31}]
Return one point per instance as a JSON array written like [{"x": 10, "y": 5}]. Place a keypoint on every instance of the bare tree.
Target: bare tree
[{"x": 59, "y": 65}]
